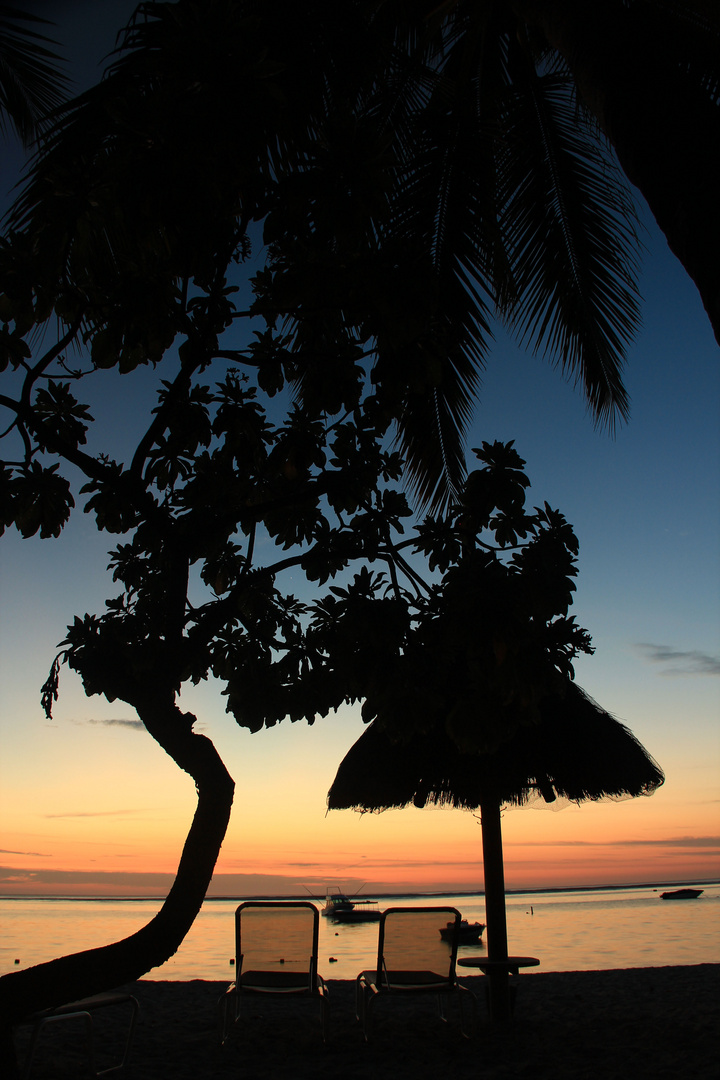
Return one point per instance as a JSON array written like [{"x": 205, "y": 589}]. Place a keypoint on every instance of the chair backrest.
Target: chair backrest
[
  {"x": 409, "y": 940},
  {"x": 277, "y": 935}
]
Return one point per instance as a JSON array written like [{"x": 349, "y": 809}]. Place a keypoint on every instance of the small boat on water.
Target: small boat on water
[
  {"x": 344, "y": 909},
  {"x": 681, "y": 894},
  {"x": 469, "y": 932}
]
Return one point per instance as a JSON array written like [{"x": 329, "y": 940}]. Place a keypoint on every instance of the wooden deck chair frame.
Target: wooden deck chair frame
[
  {"x": 83, "y": 1010},
  {"x": 384, "y": 982},
  {"x": 273, "y": 978}
]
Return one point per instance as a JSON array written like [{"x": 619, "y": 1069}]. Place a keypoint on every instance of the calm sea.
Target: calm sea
[{"x": 569, "y": 931}]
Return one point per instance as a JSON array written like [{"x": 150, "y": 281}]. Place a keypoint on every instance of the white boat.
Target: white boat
[{"x": 344, "y": 909}]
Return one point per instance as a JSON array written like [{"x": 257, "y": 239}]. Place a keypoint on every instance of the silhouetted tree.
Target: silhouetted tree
[
  {"x": 209, "y": 479},
  {"x": 466, "y": 675},
  {"x": 345, "y": 133},
  {"x": 412, "y": 189},
  {"x": 152, "y": 282},
  {"x": 468, "y": 130}
]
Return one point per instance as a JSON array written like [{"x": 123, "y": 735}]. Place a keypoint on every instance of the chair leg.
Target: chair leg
[
  {"x": 370, "y": 997},
  {"x": 324, "y": 1015},
  {"x": 85, "y": 1014},
  {"x": 361, "y": 992},
  {"x": 40, "y": 1025},
  {"x": 463, "y": 994},
  {"x": 128, "y": 1042},
  {"x": 229, "y": 1003}
]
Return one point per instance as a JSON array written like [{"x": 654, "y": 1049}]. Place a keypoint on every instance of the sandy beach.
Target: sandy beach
[{"x": 643, "y": 1022}]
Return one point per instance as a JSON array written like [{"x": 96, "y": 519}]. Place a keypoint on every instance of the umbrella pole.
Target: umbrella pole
[{"x": 498, "y": 978}]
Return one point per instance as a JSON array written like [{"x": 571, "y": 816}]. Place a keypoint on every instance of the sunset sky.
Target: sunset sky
[{"x": 90, "y": 805}]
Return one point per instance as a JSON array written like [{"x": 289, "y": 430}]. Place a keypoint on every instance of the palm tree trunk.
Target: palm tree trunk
[
  {"x": 665, "y": 134},
  {"x": 81, "y": 974}
]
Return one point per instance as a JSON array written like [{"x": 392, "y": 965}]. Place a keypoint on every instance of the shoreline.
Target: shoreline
[
  {"x": 634, "y": 1023},
  {"x": 408, "y": 895}
]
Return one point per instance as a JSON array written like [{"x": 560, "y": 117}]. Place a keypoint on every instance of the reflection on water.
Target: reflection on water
[{"x": 569, "y": 931}]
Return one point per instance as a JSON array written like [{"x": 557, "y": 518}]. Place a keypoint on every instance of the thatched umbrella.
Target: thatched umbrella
[{"x": 576, "y": 751}]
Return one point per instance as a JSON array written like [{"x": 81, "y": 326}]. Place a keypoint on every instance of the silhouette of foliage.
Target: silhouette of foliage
[
  {"x": 416, "y": 174},
  {"x": 407, "y": 173},
  {"x": 474, "y": 651}
]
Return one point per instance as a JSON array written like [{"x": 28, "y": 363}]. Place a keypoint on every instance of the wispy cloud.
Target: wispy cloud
[
  {"x": 80, "y": 877},
  {"x": 693, "y": 842},
  {"x": 118, "y": 721},
  {"x": 680, "y": 661},
  {"x": 97, "y": 813},
  {"x": 35, "y": 854}
]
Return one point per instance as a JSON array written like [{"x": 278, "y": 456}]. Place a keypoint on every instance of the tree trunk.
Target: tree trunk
[
  {"x": 90, "y": 972},
  {"x": 666, "y": 134}
]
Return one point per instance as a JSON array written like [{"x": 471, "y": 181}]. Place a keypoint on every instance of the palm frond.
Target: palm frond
[
  {"x": 446, "y": 203},
  {"x": 571, "y": 235},
  {"x": 31, "y": 81}
]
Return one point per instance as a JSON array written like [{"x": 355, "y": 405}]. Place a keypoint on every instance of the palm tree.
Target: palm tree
[
  {"x": 499, "y": 113},
  {"x": 438, "y": 182},
  {"x": 458, "y": 139},
  {"x": 649, "y": 74},
  {"x": 31, "y": 83},
  {"x": 523, "y": 214}
]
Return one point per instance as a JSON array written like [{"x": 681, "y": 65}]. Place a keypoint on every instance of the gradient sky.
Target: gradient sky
[{"x": 89, "y": 803}]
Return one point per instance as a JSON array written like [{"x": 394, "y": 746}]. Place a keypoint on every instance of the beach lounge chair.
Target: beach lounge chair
[
  {"x": 276, "y": 950},
  {"x": 82, "y": 1012},
  {"x": 412, "y": 959}
]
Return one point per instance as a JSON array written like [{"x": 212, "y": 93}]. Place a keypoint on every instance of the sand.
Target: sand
[{"x": 645, "y": 1022}]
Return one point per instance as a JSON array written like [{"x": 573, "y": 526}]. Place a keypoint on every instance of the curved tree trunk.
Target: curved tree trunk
[
  {"x": 70, "y": 977},
  {"x": 666, "y": 137}
]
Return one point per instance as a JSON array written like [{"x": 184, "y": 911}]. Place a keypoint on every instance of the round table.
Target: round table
[{"x": 511, "y": 964}]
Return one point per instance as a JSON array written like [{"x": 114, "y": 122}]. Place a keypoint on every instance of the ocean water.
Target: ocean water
[{"x": 582, "y": 930}]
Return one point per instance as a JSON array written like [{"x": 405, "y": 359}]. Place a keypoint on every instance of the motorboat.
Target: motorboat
[
  {"x": 469, "y": 932},
  {"x": 681, "y": 894},
  {"x": 345, "y": 909}
]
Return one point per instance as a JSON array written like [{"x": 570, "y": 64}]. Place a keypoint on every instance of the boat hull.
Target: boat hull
[
  {"x": 469, "y": 932},
  {"x": 681, "y": 894},
  {"x": 355, "y": 916}
]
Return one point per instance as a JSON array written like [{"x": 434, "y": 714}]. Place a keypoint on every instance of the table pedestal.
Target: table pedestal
[{"x": 509, "y": 965}]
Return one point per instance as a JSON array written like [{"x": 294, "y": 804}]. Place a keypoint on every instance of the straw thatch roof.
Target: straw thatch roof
[{"x": 577, "y": 751}]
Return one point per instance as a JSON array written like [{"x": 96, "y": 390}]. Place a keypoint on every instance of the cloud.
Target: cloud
[
  {"x": 35, "y": 854},
  {"x": 85, "y": 877},
  {"x": 98, "y": 813},
  {"x": 135, "y": 725},
  {"x": 693, "y": 842},
  {"x": 684, "y": 662},
  {"x": 100, "y": 883}
]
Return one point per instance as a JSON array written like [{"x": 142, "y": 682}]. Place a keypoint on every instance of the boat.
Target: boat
[
  {"x": 469, "y": 932},
  {"x": 345, "y": 909},
  {"x": 681, "y": 894}
]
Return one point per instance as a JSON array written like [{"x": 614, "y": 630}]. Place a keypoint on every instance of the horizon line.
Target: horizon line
[{"x": 410, "y": 894}]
